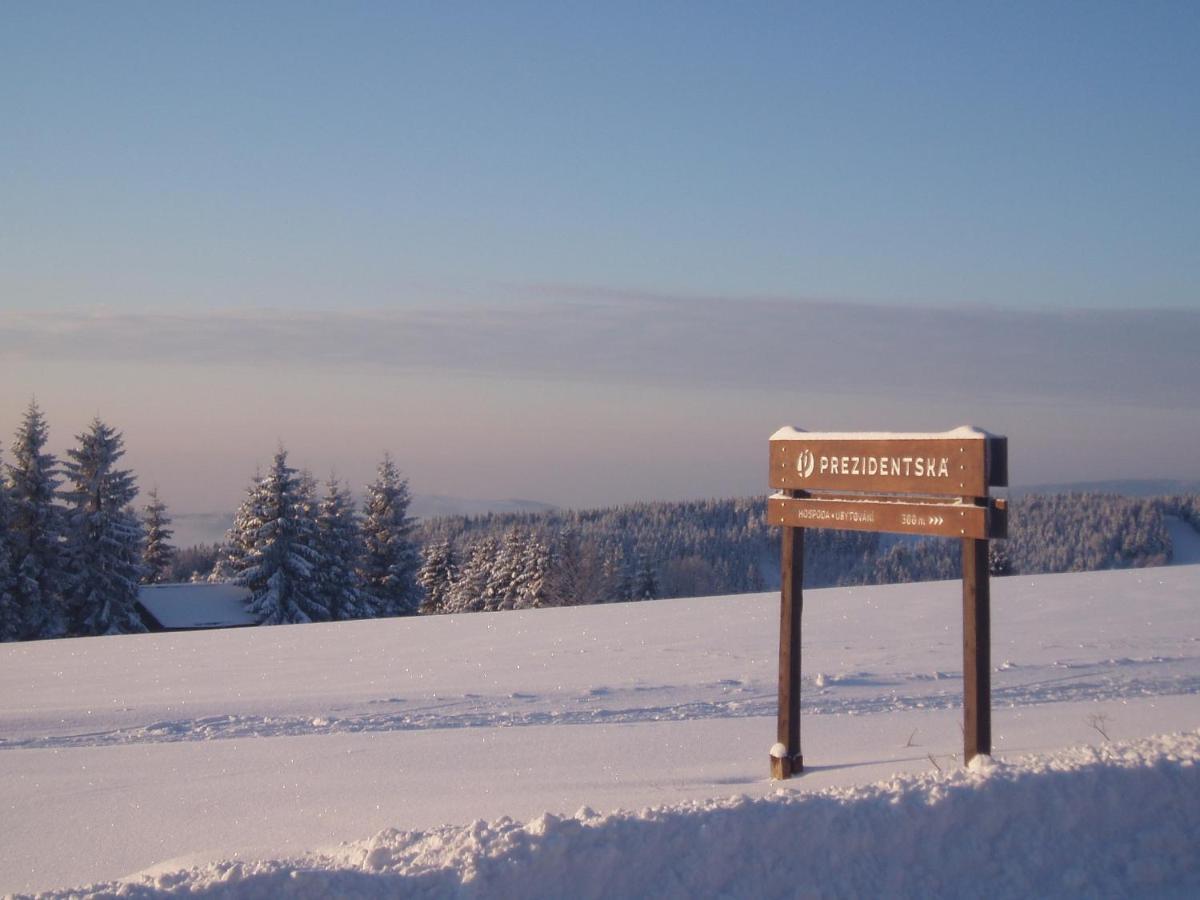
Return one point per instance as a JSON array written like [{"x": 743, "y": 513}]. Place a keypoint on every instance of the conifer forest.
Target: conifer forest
[{"x": 76, "y": 544}]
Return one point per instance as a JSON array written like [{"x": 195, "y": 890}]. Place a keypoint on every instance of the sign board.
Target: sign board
[
  {"x": 909, "y": 483},
  {"x": 960, "y": 463},
  {"x": 954, "y": 520}
]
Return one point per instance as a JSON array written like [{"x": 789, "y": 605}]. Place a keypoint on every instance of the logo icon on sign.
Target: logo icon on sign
[{"x": 805, "y": 463}]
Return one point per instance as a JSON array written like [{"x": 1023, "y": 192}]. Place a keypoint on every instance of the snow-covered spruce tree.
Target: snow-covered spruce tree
[
  {"x": 576, "y": 575},
  {"x": 646, "y": 584},
  {"x": 241, "y": 534},
  {"x": 10, "y": 612},
  {"x": 612, "y": 571},
  {"x": 390, "y": 557},
  {"x": 755, "y": 583},
  {"x": 279, "y": 563},
  {"x": 508, "y": 575},
  {"x": 36, "y": 532},
  {"x": 157, "y": 553},
  {"x": 104, "y": 536},
  {"x": 437, "y": 575},
  {"x": 535, "y": 563},
  {"x": 470, "y": 592},
  {"x": 339, "y": 544},
  {"x": 565, "y": 578},
  {"x": 626, "y": 581}
]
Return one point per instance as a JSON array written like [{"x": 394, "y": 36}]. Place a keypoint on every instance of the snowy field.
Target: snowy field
[{"x": 619, "y": 751}]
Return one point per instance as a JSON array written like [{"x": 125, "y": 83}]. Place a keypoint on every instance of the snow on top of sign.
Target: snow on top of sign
[
  {"x": 962, "y": 432},
  {"x": 935, "y": 502}
]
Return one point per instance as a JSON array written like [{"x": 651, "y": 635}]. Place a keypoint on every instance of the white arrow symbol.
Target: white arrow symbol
[{"x": 936, "y": 520}]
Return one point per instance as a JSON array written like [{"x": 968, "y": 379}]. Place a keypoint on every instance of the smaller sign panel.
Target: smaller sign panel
[
  {"x": 963, "y": 462},
  {"x": 955, "y": 520}
]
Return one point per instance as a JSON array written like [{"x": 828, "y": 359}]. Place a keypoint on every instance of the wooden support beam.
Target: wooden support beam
[
  {"x": 977, "y": 662},
  {"x": 791, "y": 607}
]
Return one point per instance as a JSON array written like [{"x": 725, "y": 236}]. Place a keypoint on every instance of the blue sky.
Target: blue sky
[
  {"x": 1036, "y": 155},
  {"x": 517, "y": 172}
]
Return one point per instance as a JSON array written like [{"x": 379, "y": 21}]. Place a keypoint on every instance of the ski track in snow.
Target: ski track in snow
[{"x": 844, "y": 694}]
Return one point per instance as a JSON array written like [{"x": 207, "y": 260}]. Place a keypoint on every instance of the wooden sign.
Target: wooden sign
[
  {"x": 897, "y": 483},
  {"x": 953, "y": 520},
  {"x": 959, "y": 463}
]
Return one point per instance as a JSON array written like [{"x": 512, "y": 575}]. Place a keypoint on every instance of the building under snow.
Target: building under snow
[{"x": 191, "y": 607}]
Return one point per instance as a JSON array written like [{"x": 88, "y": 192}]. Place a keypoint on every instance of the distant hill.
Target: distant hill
[
  {"x": 431, "y": 506},
  {"x": 1128, "y": 487}
]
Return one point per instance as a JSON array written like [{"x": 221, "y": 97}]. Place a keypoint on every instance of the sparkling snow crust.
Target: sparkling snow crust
[{"x": 477, "y": 749}]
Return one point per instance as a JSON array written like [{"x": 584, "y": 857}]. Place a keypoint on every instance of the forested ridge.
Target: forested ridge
[
  {"x": 1071, "y": 532},
  {"x": 726, "y": 546},
  {"x": 73, "y": 547}
]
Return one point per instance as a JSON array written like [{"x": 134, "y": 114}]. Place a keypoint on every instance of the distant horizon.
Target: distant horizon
[
  {"x": 494, "y": 503},
  {"x": 188, "y": 522}
]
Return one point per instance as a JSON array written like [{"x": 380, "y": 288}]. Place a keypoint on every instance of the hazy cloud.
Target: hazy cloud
[{"x": 1148, "y": 358}]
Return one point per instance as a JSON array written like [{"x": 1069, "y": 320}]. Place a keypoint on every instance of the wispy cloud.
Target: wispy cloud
[{"x": 1146, "y": 358}]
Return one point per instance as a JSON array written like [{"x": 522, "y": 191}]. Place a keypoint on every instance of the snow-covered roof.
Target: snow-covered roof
[{"x": 196, "y": 605}]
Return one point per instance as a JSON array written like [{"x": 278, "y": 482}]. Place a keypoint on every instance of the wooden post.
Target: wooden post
[
  {"x": 791, "y": 606},
  {"x": 977, "y": 656}
]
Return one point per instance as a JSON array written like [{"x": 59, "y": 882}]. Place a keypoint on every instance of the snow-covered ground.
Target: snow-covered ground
[{"x": 626, "y": 744}]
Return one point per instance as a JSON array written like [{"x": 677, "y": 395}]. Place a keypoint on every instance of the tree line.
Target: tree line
[
  {"x": 726, "y": 546},
  {"x": 637, "y": 551},
  {"x": 305, "y": 554},
  {"x": 73, "y": 550},
  {"x": 1071, "y": 532}
]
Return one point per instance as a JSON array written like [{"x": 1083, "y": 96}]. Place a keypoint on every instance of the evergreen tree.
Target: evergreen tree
[
  {"x": 104, "y": 536},
  {"x": 437, "y": 576},
  {"x": 339, "y": 545},
  {"x": 646, "y": 584},
  {"x": 36, "y": 532},
  {"x": 535, "y": 563},
  {"x": 577, "y": 572},
  {"x": 279, "y": 564},
  {"x": 612, "y": 572},
  {"x": 470, "y": 592},
  {"x": 158, "y": 556},
  {"x": 390, "y": 555},
  {"x": 626, "y": 582},
  {"x": 754, "y": 578},
  {"x": 565, "y": 580},
  {"x": 508, "y": 576},
  {"x": 239, "y": 539},
  {"x": 10, "y": 611}
]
